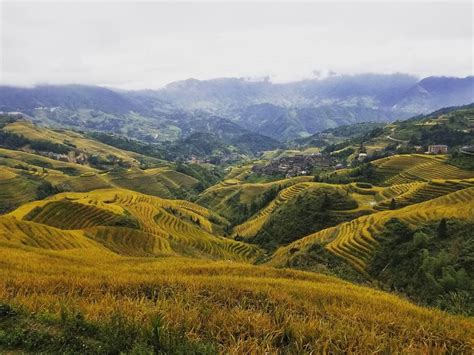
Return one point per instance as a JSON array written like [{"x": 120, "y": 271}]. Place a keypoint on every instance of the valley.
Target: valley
[
  {"x": 110, "y": 244},
  {"x": 236, "y": 177}
]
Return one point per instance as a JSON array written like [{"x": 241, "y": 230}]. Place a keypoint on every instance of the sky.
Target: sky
[{"x": 136, "y": 45}]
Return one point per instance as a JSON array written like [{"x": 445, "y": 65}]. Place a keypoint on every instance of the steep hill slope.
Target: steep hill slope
[
  {"x": 76, "y": 295},
  {"x": 356, "y": 241},
  {"x": 435, "y": 92},
  {"x": 237, "y": 200}
]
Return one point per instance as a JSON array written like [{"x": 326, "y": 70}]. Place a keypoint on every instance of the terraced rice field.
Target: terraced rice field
[
  {"x": 194, "y": 240},
  {"x": 395, "y": 191},
  {"x": 363, "y": 197},
  {"x": 90, "y": 146},
  {"x": 239, "y": 173},
  {"x": 416, "y": 192},
  {"x": 16, "y": 189},
  {"x": 173, "y": 179},
  {"x": 137, "y": 180},
  {"x": 23, "y": 187},
  {"x": 14, "y": 157},
  {"x": 356, "y": 240},
  {"x": 172, "y": 223},
  {"x": 402, "y": 169},
  {"x": 130, "y": 242},
  {"x": 31, "y": 234},
  {"x": 81, "y": 183},
  {"x": 218, "y": 196},
  {"x": 162, "y": 182},
  {"x": 70, "y": 215}
]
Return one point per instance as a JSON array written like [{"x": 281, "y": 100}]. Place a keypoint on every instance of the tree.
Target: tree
[
  {"x": 442, "y": 229},
  {"x": 326, "y": 203},
  {"x": 393, "y": 204}
]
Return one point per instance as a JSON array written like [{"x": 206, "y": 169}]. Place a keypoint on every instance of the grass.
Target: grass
[
  {"x": 240, "y": 308},
  {"x": 70, "y": 332}
]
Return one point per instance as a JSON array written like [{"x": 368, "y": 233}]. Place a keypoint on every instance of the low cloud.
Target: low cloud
[{"x": 146, "y": 45}]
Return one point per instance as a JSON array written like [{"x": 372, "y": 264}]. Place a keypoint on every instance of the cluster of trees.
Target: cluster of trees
[
  {"x": 15, "y": 141},
  {"x": 462, "y": 161},
  {"x": 6, "y": 119},
  {"x": 243, "y": 211},
  {"x": 441, "y": 134},
  {"x": 303, "y": 214},
  {"x": 12, "y": 141},
  {"x": 132, "y": 145},
  {"x": 433, "y": 264},
  {"x": 104, "y": 163},
  {"x": 363, "y": 172},
  {"x": 206, "y": 176},
  {"x": 45, "y": 189},
  {"x": 47, "y": 146},
  {"x": 258, "y": 203}
]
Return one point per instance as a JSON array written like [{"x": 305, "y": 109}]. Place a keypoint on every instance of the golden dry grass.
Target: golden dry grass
[{"x": 243, "y": 308}]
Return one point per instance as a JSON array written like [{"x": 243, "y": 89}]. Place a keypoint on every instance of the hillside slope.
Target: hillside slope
[
  {"x": 180, "y": 227},
  {"x": 280, "y": 111},
  {"x": 45, "y": 161},
  {"x": 355, "y": 241},
  {"x": 101, "y": 300}
]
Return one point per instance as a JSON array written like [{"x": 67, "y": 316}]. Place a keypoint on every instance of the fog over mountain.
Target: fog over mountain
[
  {"x": 138, "y": 45},
  {"x": 284, "y": 70},
  {"x": 278, "y": 110}
]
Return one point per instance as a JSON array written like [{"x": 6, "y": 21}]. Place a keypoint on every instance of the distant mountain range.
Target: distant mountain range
[{"x": 280, "y": 111}]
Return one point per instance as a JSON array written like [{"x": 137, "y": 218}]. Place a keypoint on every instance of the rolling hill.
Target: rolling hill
[
  {"x": 105, "y": 249},
  {"x": 183, "y": 225},
  {"x": 43, "y": 162},
  {"x": 105, "y": 290},
  {"x": 355, "y": 241}
]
